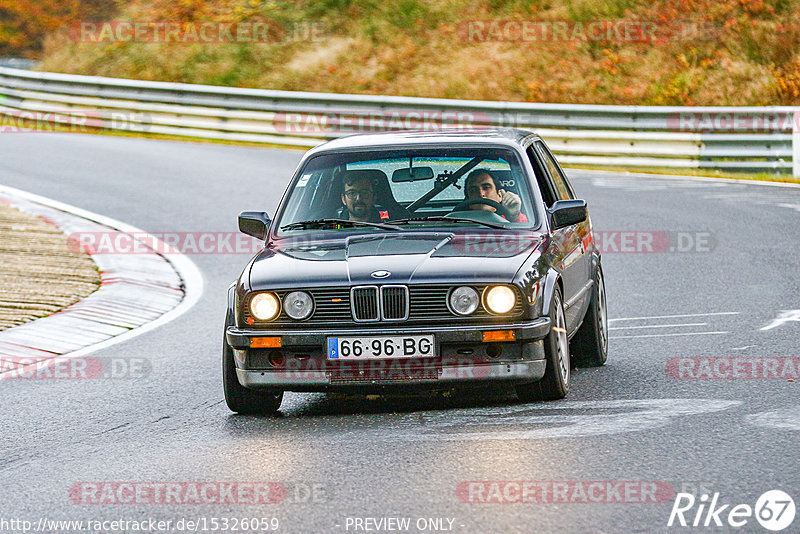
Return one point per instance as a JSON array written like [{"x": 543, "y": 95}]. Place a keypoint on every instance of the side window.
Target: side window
[
  {"x": 548, "y": 193},
  {"x": 562, "y": 191}
]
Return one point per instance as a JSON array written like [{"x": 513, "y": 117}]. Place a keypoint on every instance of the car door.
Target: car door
[{"x": 574, "y": 264}]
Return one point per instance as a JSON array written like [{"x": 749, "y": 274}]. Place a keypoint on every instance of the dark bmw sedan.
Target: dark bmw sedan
[{"x": 417, "y": 260}]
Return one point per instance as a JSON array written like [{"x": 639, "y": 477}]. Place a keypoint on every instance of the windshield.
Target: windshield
[{"x": 376, "y": 191}]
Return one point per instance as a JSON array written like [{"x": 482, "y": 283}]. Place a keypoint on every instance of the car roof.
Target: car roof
[{"x": 455, "y": 136}]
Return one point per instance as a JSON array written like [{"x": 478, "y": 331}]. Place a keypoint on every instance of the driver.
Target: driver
[
  {"x": 481, "y": 183},
  {"x": 359, "y": 199}
]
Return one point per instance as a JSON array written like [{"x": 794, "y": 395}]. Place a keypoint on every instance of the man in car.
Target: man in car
[
  {"x": 481, "y": 183},
  {"x": 359, "y": 200}
]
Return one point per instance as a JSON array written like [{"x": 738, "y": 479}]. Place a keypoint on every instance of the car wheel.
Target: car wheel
[
  {"x": 240, "y": 399},
  {"x": 590, "y": 343},
  {"x": 555, "y": 383}
]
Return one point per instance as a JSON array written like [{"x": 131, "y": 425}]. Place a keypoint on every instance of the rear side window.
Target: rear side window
[{"x": 562, "y": 190}]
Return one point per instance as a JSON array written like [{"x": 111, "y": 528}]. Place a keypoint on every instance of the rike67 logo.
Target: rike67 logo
[{"x": 774, "y": 510}]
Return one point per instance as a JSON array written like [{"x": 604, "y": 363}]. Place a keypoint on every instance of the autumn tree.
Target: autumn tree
[{"x": 24, "y": 23}]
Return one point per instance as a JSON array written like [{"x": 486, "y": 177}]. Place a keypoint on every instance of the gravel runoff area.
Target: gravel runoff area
[{"x": 39, "y": 274}]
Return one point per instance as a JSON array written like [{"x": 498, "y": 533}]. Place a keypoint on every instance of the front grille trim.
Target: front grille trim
[
  {"x": 405, "y": 303},
  {"x": 362, "y": 297}
]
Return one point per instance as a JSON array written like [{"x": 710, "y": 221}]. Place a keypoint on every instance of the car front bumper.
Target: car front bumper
[{"x": 461, "y": 358}]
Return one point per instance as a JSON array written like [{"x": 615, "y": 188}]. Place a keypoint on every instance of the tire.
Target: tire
[
  {"x": 590, "y": 342},
  {"x": 240, "y": 399},
  {"x": 555, "y": 382}
]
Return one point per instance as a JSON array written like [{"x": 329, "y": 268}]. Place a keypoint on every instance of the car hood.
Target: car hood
[{"x": 423, "y": 257}]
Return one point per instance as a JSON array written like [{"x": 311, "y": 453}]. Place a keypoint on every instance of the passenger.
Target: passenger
[
  {"x": 359, "y": 200},
  {"x": 482, "y": 184}
]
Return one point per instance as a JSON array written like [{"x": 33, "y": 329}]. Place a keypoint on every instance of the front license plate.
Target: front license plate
[{"x": 370, "y": 348}]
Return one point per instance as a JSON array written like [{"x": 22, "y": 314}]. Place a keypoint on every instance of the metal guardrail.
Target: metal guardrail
[
  {"x": 17, "y": 63},
  {"x": 755, "y": 139}
]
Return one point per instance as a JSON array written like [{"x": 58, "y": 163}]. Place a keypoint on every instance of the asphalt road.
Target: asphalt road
[{"x": 631, "y": 420}]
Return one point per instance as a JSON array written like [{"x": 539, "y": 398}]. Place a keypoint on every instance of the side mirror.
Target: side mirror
[
  {"x": 254, "y": 223},
  {"x": 566, "y": 213}
]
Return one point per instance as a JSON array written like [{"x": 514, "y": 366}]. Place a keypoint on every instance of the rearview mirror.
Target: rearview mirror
[
  {"x": 416, "y": 174},
  {"x": 566, "y": 213},
  {"x": 254, "y": 223}
]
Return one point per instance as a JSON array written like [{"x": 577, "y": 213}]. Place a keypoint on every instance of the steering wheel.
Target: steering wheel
[{"x": 499, "y": 208}]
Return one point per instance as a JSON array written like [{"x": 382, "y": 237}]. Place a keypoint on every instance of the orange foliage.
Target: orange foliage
[
  {"x": 24, "y": 23},
  {"x": 709, "y": 52},
  {"x": 788, "y": 81}
]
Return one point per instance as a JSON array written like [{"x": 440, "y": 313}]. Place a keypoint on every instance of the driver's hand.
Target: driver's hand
[{"x": 511, "y": 202}]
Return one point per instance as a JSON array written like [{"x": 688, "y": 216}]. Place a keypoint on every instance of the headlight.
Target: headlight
[
  {"x": 265, "y": 306},
  {"x": 464, "y": 300},
  {"x": 499, "y": 299},
  {"x": 298, "y": 305}
]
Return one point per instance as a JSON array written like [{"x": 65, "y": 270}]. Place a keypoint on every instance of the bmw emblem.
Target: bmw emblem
[{"x": 380, "y": 274}]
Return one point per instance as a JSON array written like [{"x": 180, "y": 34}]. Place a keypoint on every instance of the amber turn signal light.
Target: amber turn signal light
[
  {"x": 265, "y": 342},
  {"x": 499, "y": 335}
]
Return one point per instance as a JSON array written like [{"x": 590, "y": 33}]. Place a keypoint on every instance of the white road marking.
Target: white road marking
[
  {"x": 783, "y": 419},
  {"x": 743, "y": 196},
  {"x": 667, "y": 335},
  {"x": 790, "y": 206},
  {"x": 547, "y": 421},
  {"x": 671, "y": 316},
  {"x": 657, "y": 326},
  {"x": 784, "y": 317},
  {"x": 638, "y": 184}
]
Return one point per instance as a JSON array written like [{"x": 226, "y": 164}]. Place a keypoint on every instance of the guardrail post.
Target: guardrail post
[{"x": 796, "y": 145}]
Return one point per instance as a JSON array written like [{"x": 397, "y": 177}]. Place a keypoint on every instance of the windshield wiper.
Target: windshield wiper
[
  {"x": 450, "y": 219},
  {"x": 318, "y": 223}
]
